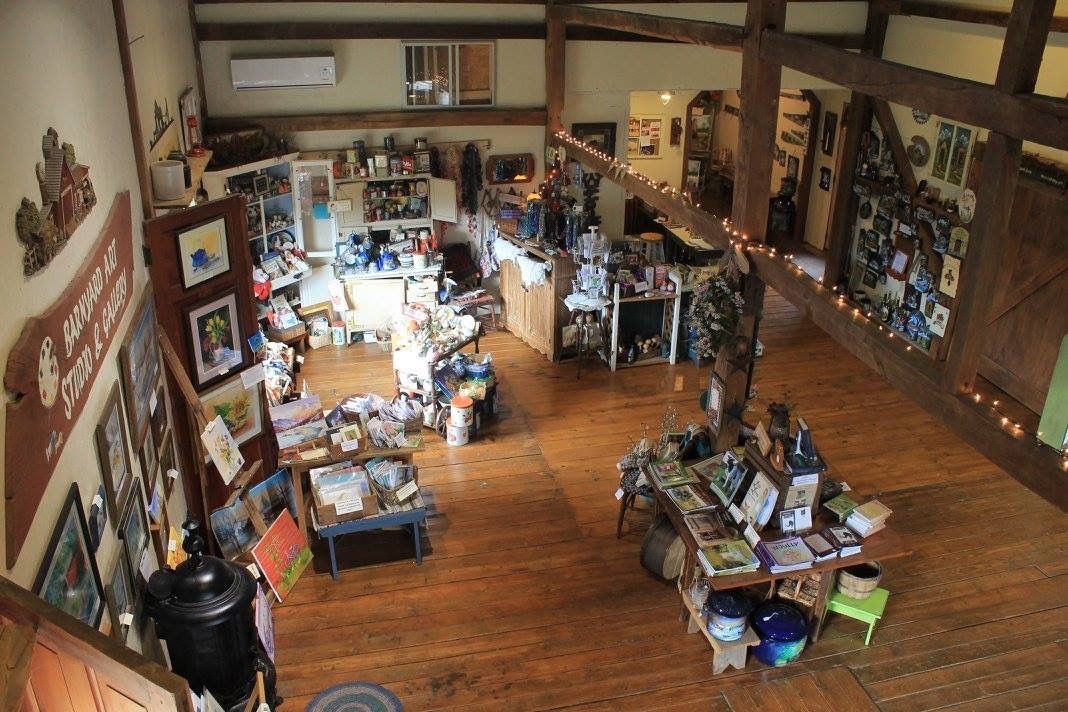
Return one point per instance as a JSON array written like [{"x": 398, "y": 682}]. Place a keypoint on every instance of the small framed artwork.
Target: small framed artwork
[
  {"x": 780, "y": 157},
  {"x": 943, "y": 148},
  {"x": 140, "y": 361},
  {"x": 830, "y": 130},
  {"x": 158, "y": 416},
  {"x": 240, "y": 408},
  {"x": 202, "y": 252},
  {"x": 958, "y": 242},
  {"x": 871, "y": 278},
  {"x": 793, "y": 163},
  {"x": 68, "y": 578},
  {"x": 113, "y": 453},
  {"x": 958, "y": 157},
  {"x": 883, "y": 224},
  {"x": 939, "y": 319},
  {"x": 98, "y": 518},
  {"x": 601, "y": 136},
  {"x": 121, "y": 597},
  {"x": 261, "y": 184},
  {"x": 901, "y": 258},
  {"x": 825, "y": 178},
  {"x": 149, "y": 458},
  {"x": 645, "y": 134},
  {"x": 133, "y": 529},
  {"x": 950, "y": 276},
  {"x": 168, "y": 463},
  {"x": 215, "y": 339},
  {"x": 717, "y": 394}
]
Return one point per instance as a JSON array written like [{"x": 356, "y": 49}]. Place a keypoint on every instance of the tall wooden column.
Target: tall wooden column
[
  {"x": 856, "y": 121},
  {"x": 554, "y": 70},
  {"x": 1021, "y": 56},
  {"x": 759, "y": 93}
]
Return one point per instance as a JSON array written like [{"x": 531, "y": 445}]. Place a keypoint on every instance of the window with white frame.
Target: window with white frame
[{"x": 449, "y": 73}]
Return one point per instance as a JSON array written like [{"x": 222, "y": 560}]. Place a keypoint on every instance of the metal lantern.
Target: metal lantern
[{"x": 203, "y": 610}]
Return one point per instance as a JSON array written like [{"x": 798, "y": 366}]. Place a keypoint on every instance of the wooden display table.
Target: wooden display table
[
  {"x": 299, "y": 467},
  {"x": 411, "y": 513}
]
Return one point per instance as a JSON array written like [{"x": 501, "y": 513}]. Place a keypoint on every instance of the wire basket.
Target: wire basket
[{"x": 389, "y": 495}]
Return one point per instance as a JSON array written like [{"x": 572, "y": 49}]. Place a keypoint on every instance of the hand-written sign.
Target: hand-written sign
[{"x": 53, "y": 366}]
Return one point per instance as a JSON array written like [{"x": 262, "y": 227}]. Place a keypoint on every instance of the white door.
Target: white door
[
  {"x": 443, "y": 200},
  {"x": 314, "y": 189}
]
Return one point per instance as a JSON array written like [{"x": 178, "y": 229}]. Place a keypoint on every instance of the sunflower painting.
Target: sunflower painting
[{"x": 239, "y": 407}]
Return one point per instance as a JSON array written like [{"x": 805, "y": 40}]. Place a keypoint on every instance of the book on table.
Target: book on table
[
  {"x": 842, "y": 539},
  {"x": 868, "y": 518},
  {"x": 784, "y": 555},
  {"x": 821, "y": 548},
  {"x": 840, "y": 506},
  {"x": 707, "y": 527},
  {"x": 727, "y": 557},
  {"x": 689, "y": 499},
  {"x": 670, "y": 474},
  {"x": 759, "y": 500},
  {"x": 864, "y": 528},
  {"x": 727, "y": 477}
]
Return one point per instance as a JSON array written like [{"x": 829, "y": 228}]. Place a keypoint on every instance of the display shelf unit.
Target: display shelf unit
[
  {"x": 672, "y": 305},
  {"x": 197, "y": 166},
  {"x": 439, "y": 203}
]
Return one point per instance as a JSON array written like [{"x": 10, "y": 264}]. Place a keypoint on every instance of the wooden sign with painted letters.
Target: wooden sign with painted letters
[{"x": 53, "y": 366}]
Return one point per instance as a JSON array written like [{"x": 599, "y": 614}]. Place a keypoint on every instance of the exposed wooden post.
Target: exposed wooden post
[
  {"x": 1021, "y": 56},
  {"x": 555, "y": 50},
  {"x": 856, "y": 121},
  {"x": 194, "y": 31},
  {"x": 144, "y": 181}
]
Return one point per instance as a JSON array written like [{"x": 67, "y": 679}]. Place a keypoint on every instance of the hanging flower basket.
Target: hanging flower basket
[{"x": 714, "y": 315}]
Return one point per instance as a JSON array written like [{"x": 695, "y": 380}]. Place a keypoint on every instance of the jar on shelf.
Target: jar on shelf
[{"x": 699, "y": 590}]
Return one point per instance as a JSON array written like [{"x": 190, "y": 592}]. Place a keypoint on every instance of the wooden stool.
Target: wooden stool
[
  {"x": 869, "y": 610},
  {"x": 725, "y": 653},
  {"x": 652, "y": 246}
]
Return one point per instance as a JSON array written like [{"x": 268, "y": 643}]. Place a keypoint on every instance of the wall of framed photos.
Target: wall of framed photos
[{"x": 110, "y": 480}]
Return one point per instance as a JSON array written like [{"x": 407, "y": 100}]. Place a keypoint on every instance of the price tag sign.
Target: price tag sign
[
  {"x": 172, "y": 473},
  {"x": 98, "y": 500},
  {"x": 348, "y": 505},
  {"x": 736, "y": 513},
  {"x": 254, "y": 570},
  {"x": 407, "y": 491},
  {"x": 126, "y": 619},
  {"x": 252, "y": 376},
  {"x": 153, "y": 401},
  {"x": 619, "y": 493},
  {"x": 350, "y": 445},
  {"x": 751, "y": 536},
  {"x": 300, "y": 359}
]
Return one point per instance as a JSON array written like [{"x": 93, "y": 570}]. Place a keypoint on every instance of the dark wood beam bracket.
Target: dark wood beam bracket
[
  {"x": 1031, "y": 117},
  {"x": 416, "y": 118},
  {"x": 709, "y": 34}
]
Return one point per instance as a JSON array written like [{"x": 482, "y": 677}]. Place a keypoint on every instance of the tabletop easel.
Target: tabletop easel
[{"x": 197, "y": 416}]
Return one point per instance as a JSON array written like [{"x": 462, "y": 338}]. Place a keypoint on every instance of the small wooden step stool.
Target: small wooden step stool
[
  {"x": 869, "y": 610},
  {"x": 725, "y": 653}
]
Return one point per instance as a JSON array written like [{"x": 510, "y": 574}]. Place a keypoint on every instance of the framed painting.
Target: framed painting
[
  {"x": 241, "y": 408},
  {"x": 717, "y": 394},
  {"x": 958, "y": 156},
  {"x": 158, "y": 413},
  {"x": 943, "y": 149},
  {"x": 215, "y": 339},
  {"x": 68, "y": 578},
  {"x": 113, "y": 452},
  {"x": 601, "y": 136},
  {"x": 133, "y": 529},
  {"x": 830, "y": 131},
  {"x": 168, "y": 462},
  {"x": 202, "y": 252},
  {"x": 793, "y": 164},
  {"x": 121, "y": 597},
  {"x": 140, "y": 362},
  {"x": 149, "y": 458}
]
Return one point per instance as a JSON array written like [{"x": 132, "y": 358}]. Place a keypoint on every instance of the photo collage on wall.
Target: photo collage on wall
[{"x": 644, "y": 136}]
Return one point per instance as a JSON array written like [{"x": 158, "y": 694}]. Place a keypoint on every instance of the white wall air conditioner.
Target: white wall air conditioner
[{"x": 282, "y": 72}]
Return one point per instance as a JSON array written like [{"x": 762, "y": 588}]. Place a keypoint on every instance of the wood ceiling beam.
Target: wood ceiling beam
[
  {"x": 973, "y": 15},
  {"x": 991, "y": 232},
  {"x": 415, "y": 118},
  {"x": 1031, "y": 117},
  {"x": 707, "y": 34}
]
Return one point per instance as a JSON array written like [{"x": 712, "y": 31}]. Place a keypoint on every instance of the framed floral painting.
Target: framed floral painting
[
  {"x": 241, "y": 408},
  {"x": 215, "y": 339}
]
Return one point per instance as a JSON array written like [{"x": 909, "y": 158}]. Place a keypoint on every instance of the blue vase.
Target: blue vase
[{"x": 782, "y": 630}]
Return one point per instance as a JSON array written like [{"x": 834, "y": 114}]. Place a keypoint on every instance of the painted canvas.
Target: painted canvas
[
  {"x": 68, "y": 578},
  {"x": 943, "y": 149},
  {"x": 222, "y": 449},
  {"x": 203, "y": 252},
  {"x": 120, "y": 597},
  {"x": 264, "y": 622},
  {"x": 233, "y": 529},
  {"x": 216, "y": 338},
  {"x": 113, "y": 453},
  {"x": 282, "y": 555},
  {"x": 298, "y": 421},
  {"x": 139, "y": 357},
  {"x": 273, "y": 496},
  {"x": 133, "y": 528},
  {"x": 239, "y": 407},
  {"x": 958, "y": 157}
]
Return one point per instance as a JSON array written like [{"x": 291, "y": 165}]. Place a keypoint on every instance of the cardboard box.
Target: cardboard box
[{"x": 327, "y": 514}]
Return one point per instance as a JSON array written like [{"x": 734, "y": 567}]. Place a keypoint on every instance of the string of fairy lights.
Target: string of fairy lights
[{"x": 617, "y": 169}]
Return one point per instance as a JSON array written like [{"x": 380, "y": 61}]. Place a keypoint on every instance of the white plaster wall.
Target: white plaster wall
[{"x": 819, "y": 200}]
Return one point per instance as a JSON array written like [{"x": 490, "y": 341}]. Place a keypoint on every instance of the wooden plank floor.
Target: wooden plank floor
[{"x": 526, "y": 599}]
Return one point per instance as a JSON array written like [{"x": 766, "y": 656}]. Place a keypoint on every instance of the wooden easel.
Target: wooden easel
[{"x": 198, "y": 416}]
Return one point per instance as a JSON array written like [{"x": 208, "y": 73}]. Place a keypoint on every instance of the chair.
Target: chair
[
  {"x": 629, "y": 489},
  {"x": 653, "y": 246},
  {"x": 868, "y": 610}
]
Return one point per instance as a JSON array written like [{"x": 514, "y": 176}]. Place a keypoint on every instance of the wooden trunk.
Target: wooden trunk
[{"x": 537, "y": 314}]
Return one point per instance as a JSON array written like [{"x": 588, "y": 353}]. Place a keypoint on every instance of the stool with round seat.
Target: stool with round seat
[{"x": 652, "y": 246}]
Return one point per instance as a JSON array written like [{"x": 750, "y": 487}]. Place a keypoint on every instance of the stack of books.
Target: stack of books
[
  {"x": 840, "y": 506},
  {"x": 728, "y": 557},
  {"x": 820, "y": 547},
  {"x": 666, "y": 475},
  {"x": 842, "y": 539},
  {"x": 689, "y": 499},
  {"x": 868, "y": 518},
  {"x": 785, "y": 555}
]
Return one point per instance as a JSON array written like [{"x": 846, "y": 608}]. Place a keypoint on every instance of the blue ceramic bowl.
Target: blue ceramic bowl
[{"x": 782, "y": 630}]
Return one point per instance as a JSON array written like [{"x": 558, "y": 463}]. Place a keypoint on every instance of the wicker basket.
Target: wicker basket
[
  {"x": 860, "y": 581},
  {"x": 389, "y": 496},
  {"x": 289, "y": 334}
]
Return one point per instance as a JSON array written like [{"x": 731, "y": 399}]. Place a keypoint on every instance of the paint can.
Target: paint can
[
  {"x": 337, "y": 333},
  {"x": 462, "y": 412},
  {"x": 456, "y": 435}
]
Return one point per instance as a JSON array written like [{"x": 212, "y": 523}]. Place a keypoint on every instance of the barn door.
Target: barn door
[
  {"x": 1023, "y": 337},
  {"x": 55, "y": 663}
]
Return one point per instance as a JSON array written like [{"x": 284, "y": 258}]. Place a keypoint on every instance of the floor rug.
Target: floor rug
[{"x": 355, "y": 697}]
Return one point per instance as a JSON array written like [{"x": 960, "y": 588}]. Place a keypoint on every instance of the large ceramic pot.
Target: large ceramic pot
[
  {"x": 782, "y": 630},
  {"x": 727, "y": 613}
]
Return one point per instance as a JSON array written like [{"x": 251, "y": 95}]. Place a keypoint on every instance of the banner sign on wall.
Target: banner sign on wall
[{"x": 52, "y": 368}]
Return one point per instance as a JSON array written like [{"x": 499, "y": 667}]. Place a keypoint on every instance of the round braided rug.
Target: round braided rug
[{"x": 355, "y": 697}]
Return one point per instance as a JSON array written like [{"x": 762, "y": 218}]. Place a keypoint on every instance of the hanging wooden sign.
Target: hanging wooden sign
[{"x": 52, "y": 368}]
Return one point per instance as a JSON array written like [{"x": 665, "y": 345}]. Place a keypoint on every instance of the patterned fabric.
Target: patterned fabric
[
  {"x": 629, "y": 483},
  {"x": 355, "y": 697}
]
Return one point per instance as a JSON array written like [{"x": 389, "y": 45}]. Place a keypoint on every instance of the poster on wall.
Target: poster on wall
[
  {"x": 953, "y": 146},
  {"x": 54, "y": 364},
  {"x": 644, "y": 136}
]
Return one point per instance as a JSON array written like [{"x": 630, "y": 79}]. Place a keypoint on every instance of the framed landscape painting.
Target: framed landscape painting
[
  {"x": 68, "y": 578},
  {"x": 139, "y": 358},
  {"x": 113, "y": 452}
]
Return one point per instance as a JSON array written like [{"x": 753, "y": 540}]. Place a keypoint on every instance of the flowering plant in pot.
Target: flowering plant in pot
[{"x": 714, "y": 315}]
